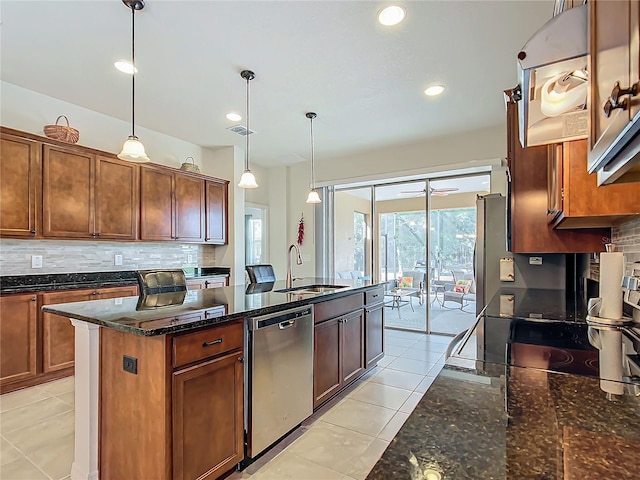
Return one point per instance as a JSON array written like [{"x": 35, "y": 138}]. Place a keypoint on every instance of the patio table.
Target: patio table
[{"x": 398, "y": 297}]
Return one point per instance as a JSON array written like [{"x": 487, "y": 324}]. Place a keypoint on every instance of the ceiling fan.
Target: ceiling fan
[{"x": 438, "y": 192}]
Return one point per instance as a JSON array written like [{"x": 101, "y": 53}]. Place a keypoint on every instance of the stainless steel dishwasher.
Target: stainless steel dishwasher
[{"x": 280, "y": 376}]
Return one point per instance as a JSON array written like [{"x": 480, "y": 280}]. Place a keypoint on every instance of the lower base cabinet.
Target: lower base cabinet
[
  {"x": 208, "y": 425},
  {"x": 374, "y": 334},
  {"x": 187, "y": 417},
  {"x": 338, "y": 354},
  {"x": 37, "y": 347},
  {"x": 18, "y": 348}
]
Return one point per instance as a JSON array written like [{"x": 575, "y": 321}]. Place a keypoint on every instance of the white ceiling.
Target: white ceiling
[{"x": 365, "y": 81}]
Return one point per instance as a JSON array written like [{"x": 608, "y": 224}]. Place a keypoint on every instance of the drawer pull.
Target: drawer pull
[
  {"x": 609, "y": 106},
  {"x": 215, "y": 342},
  {"x": 375, "y": 295},
  {"x": 33, "y": 231}
]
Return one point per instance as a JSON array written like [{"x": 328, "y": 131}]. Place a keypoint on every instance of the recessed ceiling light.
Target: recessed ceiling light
[
  {"x": 125, "y": 67},
  {"x": 391, "y": 15},
  {"x": 434, "y": 90},
  {"x": 234, "y": 117}
]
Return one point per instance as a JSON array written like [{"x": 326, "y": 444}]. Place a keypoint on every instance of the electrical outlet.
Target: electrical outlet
[
  {"x": 36, "y": 261},
  {"x": 535, "y": 260},
  {"x": 189, "y": 258},
  {"x": 130, "y": 364},
  {"x": 117, "y": 259}
]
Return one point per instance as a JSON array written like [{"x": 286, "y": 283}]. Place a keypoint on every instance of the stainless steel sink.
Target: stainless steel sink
[{"x": 312, "y": 289}]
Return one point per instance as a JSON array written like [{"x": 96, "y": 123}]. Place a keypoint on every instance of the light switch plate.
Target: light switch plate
[
  {"x": 36, "y": 261},
  {"x": 189, "y": 258},
  {"x": 535, "y": 260},
  {"x": 117, "y": 259}
]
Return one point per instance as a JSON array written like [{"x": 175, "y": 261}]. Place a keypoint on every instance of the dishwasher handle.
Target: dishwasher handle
[
  {"x": 286, "y": 324},
  {"x": 281, "y": 318}
]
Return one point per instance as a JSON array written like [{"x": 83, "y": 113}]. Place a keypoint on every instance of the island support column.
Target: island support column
[{"x": 87, "y": 357}]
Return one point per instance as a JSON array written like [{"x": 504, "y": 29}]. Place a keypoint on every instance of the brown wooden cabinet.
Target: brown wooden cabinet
[
  {"x": 374, "y": 334},
  {"x": 217, "y": 212},
  {"x": 338, "y": 347},
  {"x": 172, "y": 205},
  {"x": 58, "y": 336},
  {"x": 18, "y": 347},
  {"x": 529, "y": 226},
  {"x": 211, "y": 282},
  {"x": 192, "y": 425},
  {"x": 208, "y": 432},
  {"x": 20, "y": 186},
  {"x": 614, "y": 60},
  {"x": 88, "y": 196},
  {"x": 576, "y": 201}
]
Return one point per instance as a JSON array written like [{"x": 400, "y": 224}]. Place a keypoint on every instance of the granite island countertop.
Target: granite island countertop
[
  {"x": 165, "y": 313},
  {"x": 522, "y": 397}
]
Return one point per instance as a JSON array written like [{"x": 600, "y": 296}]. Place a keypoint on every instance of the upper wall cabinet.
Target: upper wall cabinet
[
  {"x": 172, "y": 205},
  {"x": 614, "y": 69},
  {"x": 88, "y": 196},
  {"x": 529, "y": 227},
  {"x": 575, "y": 200},
  {"x": 217, "y": 222},
  {"x": 20, "y": 186}
]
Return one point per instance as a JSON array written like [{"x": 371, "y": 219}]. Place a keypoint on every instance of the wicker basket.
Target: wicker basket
[
  {"x": 61, "y": 132},
  {"x": 190, "y": 167}
]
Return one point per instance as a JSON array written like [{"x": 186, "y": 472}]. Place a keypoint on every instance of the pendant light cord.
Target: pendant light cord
[
  {"x": 246, "y": 160},
  {"x": 313, "y": 170},
  {"x": 133, "y": 75}
]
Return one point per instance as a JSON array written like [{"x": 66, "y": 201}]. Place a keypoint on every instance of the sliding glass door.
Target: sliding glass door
[{"x": 352, "y": 227}]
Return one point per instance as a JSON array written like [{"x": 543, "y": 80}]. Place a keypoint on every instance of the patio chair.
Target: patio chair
[
  {"x": 418, "y": 281},
  {"x": 462, "y": 292}
]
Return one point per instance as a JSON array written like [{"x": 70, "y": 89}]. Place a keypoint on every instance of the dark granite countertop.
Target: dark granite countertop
[
  {"x": 523, "y": 396},
  {"x": 178, "y": 311},
  {"x": 69, "y": 281}
]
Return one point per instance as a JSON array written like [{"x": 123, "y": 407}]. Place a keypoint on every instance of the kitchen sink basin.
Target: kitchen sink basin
[{"x": 312, "y": 289}]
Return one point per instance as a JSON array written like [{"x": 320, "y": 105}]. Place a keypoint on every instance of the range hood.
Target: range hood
[{"x": 553, "y": 81}]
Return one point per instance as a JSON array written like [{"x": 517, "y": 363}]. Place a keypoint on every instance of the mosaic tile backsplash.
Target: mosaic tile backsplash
[
  {"x": 627, "y": 239},
  {"x": 79, "y": 256}
]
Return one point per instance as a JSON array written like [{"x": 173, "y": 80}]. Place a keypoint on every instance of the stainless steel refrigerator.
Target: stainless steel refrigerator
[{"x": 491, "y": 246}]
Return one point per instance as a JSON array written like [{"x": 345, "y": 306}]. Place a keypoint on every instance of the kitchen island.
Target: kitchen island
[
  {"x": 161, "y": 379},
  {"x": 525, "y": 395}
]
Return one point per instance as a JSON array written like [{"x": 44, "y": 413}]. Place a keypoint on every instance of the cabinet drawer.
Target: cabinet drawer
[
  {"x": 373, "y": 296},
  {"x": 332, "y": 308},
  {"x": 207, "y": 343}
]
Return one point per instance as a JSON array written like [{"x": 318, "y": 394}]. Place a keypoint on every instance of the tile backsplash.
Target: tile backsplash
[
  {"x": 69, "y": 256},
  {"x": 627, "y": 240}
]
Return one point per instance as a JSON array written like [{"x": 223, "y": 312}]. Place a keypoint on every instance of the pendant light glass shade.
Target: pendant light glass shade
[
  {"x": 132, "y": 148},
  {"x": 313, "y": 196},
  {"x": 133, "y": 151},
  {"x": 247, "y": 180}
]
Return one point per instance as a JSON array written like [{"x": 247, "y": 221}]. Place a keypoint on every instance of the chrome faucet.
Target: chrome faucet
[{"x": 289, "y": 280}]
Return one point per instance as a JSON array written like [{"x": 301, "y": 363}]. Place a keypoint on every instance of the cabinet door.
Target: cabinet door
[
  {"x": 189, "y": 208},
  {"x": 18, "y": 314},
  {"x": 57, "y": 332},
  {"x": 208, "y": 418},
  {"x": 195, "y": 285},
  {"x": 352, "y": 336},
  {"x": 216, "y": 225},
  {"x": 117, "y": 203},
  {"x": 156, "y": 204},
  {"x": 609, "y": 37},
  {"x": 67, "y": 190},
  {"x": 20, "y": 187},
  {"x": 326, "y": 360},
  {"x": 374, "y": 335}
]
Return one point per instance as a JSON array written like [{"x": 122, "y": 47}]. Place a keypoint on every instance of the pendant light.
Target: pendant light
[
  {"x": 133, "y": 149},
  {"x": 313, "y": 196},
  {"x": 247, "y": 180}
]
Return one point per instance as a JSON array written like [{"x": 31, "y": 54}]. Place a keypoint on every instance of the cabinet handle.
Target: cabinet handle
[
  {"x": 206, "y": 239},
  {"x": 33, "y": 231},
  {"x": 618, "y": 92},
  {"x": 206, "y": 284},
  {"x": 374, "y": 296},
  {"x": 609, "y": 106},
  {"x": 241, "y": 359},
  {"x": 98, "y": 234},
  {"x": 33, "y": 299},
  {"x": 176, "y": 238},
  {"x": 215, "y": 342},
  {"x": 95, "y": 293}
]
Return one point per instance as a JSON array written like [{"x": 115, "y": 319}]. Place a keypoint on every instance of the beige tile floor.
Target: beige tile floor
[{"x": 341, "y": 441}]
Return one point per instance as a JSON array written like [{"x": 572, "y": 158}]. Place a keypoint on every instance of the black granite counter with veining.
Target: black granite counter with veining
[
  {"x": 68, "y": 281},
  {"x": 178, "y": 311},
  {"x": 523, "y": 397}
]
